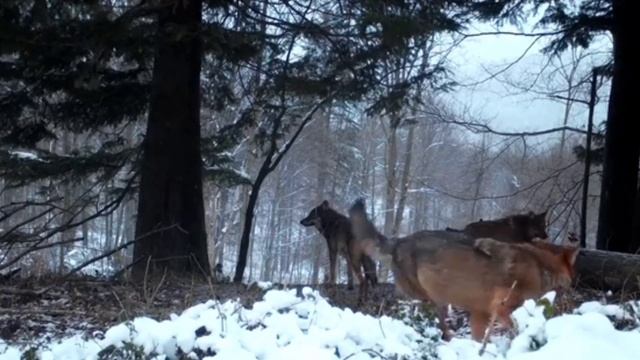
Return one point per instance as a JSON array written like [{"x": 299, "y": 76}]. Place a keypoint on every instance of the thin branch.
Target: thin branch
[
  {"x": 480, "y": 128},
  {"x": 511, "y": 33}
]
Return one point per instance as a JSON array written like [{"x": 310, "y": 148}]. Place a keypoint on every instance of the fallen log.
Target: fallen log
[{"x": 607, "y": 270}]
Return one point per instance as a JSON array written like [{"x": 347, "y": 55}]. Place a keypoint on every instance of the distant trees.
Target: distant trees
[{"x": 344, "y": 51}]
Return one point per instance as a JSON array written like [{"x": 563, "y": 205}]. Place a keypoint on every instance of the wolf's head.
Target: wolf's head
[
  {"x": 560, "y": 261},
  {"x": 531, "y": 225},
  {"x": 316, "y": 215}
]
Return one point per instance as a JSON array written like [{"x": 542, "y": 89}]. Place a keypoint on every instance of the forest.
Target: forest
[{"x": 156, "y": 154}]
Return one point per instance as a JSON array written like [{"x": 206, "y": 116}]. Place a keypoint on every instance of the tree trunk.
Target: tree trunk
[
  {"x": 119, "y": 225},
  {"x": 170, "y": 195},
  {"x": 247, "y": 226},
  {"x": 404, "y": 184},
  {"x": 392, "y": 160},
  {"x": 622, "y": 148},
  {"x": 70, "y": 209},
  {"x": 587, "y": 163},
  {"x": 223, "y": 225},
  {"x": 324, "y": 129},
  {"x": 479, "y": 179},
  {"x": 635, "y": 235},
  {"x": 390, "y": 186}
]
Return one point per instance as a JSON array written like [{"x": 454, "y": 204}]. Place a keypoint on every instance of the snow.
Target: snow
[
  {"x": 24, "y": 155},
  {"x": 79, "y": 255},
  {"x": 615, "y": 311},
  {"x": 286, "y": 325},
  {"x": 264, "y": 285},
  {"x": 588, "y": 334}
]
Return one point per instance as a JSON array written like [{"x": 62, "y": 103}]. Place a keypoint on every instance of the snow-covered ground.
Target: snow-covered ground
[{"x": 286, "y": 326}]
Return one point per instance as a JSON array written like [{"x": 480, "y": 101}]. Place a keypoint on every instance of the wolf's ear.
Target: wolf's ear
[
  {"x": 542, "y": 215},
  {"x": 531, "y": 214},
  {"x": 571, "y": 255},
  {"x": 325, "y": 204}
]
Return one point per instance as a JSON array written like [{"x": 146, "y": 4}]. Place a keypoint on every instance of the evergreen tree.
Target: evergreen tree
[{"x": 85, "y": 68}]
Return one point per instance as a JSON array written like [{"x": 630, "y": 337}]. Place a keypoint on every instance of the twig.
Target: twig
[
  {"x": 157, "y": 289},
  {"x": 150, "y": 295},
  {"x": 223, "y": 318},
  {"x": 145, "y": 280},
  {"x": 55, "y": 312},
  {"x": 85, "y": 264},
  {"x": 129, "y": 266},
  {"x": 111, "y": 252},
  {"x": 204, "y": 273},
  {"x": 366, "y": 351},
  {"x": 14, "y": 291},
  {"x": 126, "y": 313},
  {"x": 493, "y": 319},
  {"x": 380, "y": 308}
]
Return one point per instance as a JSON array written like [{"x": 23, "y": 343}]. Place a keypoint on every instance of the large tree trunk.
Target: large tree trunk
[
  {"x": 622, "y": 147},
  {"x": 635, "y": 231},
  {"x": 171, "y": 182}
]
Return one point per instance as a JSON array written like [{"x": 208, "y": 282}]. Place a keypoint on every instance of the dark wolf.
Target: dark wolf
[
  {"x": 486, "y": 277},
  {"x": 514, "y": 228},
  {"x": 336, "y": 229}
]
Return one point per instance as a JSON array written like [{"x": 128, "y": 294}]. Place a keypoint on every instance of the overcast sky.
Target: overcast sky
[{"x": 493, "y": 100}]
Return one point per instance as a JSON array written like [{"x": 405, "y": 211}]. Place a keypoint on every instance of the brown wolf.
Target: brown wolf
[
  {"x": 514, "y": 228},
  {"x": 486, "y": 277},
  {"x": 336, "y": 229}
]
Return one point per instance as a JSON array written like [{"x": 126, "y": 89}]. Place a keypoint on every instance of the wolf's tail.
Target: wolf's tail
[{"x": 365, "y": 229}]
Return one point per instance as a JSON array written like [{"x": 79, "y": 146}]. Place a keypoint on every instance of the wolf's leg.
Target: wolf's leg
[
  {"x": 506, "y": 306},
  {"x": 349, "y": 273},
  {"x": 479, "y": 322},
  {"x": 443, "y": 314},
  {"x": 369, "y": 270},
  {"x": 355, "y": 266},
  {"x": 350, "y": 269},
  {"x": 505, "y": 319},
  {"x": 333, "y": 254}
]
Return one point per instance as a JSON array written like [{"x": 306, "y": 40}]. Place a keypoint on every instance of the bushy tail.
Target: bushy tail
[{"x": 364, "y": 229}]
